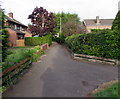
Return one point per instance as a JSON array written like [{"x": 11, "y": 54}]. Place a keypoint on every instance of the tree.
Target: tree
[
  {"x": 3, "y": 37},
  {"x": 72, "y": 27},
  {"x": 42, "y": 21},
  {"x": 70, "y": 24},
  {"x": 116, "y": 22}
]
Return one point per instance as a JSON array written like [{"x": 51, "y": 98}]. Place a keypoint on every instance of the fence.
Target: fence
[
  {"x": 10, "y": 75},
  {"x": 20, "y": 43}
]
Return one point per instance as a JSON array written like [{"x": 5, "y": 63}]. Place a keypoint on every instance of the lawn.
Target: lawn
[{"x": 111, "y": 91}]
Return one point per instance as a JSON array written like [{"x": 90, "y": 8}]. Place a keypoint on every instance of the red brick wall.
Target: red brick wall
[
  {"x": 27, "y": 34},
  {"x": 12, "y": 37}
]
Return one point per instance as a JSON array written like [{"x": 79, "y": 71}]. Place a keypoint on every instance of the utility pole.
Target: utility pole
[{"x": 60, "y": 25}]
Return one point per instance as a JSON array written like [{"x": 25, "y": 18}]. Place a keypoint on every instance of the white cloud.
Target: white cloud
[{"x": 84, "y": 8}]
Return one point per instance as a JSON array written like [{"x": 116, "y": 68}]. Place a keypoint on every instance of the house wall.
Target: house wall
[
  {"x": 98, "y": 27},
  {"x": 12, "y": 37},
  {"x": 13, "y": 29},
  {"x": 27, "y": 34}
]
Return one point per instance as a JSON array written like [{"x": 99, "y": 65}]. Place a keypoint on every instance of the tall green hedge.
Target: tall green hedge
[
  {"x": 33, "y": 41},
  {"x": 102, "y": 44}
]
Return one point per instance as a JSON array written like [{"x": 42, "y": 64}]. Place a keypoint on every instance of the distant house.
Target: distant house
[
  {"x": 97, "y": 23},
  {"x": 17, "y": 31}
]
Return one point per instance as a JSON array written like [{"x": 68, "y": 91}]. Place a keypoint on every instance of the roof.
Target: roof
[
  {"x": 92, "y": 22},
  {"x": 15, "y": 21}
]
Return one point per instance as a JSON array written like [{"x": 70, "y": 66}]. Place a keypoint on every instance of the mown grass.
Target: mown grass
[{"x": 112, "y": 92}]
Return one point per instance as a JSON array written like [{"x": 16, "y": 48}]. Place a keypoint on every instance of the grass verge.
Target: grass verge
[{"x": 111, "y": 91}]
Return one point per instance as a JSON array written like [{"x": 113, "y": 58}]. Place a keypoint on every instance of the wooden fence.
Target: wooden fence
[
  {"x": 10, "y": 75},
  {"x": 20, "y": 43}
]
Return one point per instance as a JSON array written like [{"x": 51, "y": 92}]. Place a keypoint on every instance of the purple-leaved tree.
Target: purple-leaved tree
[{"x": 42, "y": 22}]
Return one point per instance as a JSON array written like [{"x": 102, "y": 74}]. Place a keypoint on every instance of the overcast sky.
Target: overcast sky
[{"x": 86, "y": 9}]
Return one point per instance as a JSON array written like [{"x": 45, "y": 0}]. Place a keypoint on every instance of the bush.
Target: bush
[
  {"x": 4, "y": 44},
  {"x": 59, "y": 39},
  {"x": 3, "y": 37},
  {"x": 101, "y": 44},
  {"x": 20, "y": 55},
  {"x": 33, "y": 41},
  {"x": 16, "y": 58}
]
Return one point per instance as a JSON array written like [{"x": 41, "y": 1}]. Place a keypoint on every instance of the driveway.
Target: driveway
[{"x": 58, "y": 75}]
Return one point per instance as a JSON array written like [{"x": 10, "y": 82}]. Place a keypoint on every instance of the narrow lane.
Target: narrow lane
[{"x": 58, "y": 75}]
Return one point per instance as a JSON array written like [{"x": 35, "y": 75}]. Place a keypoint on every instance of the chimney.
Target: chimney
[
  {"x": 97, "y": 20},
  {"x": 11, "y": 15}
]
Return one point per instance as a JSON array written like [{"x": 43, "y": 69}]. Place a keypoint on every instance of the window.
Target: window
[
  {"x": 20, "y": 36},
  {"x": 18, "y": 27}
]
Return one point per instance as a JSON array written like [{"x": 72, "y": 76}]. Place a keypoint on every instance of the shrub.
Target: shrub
[
  {"x": 33, "y": 41},
  {"x": 4, "y": 43},
  {"x": 3, "y": 37},
  {"x": 20, "y": 55},
  {"x": 14, "y": 59},
  {"x": 59, "y": 39},
  {"x": 101, "y": 44}
]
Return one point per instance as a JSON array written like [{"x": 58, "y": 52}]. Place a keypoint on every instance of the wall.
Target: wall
[
  {"x": 27, "y": 34},
  {"x": 12, "y": 37},
  {"x": 98, "y": 27}
]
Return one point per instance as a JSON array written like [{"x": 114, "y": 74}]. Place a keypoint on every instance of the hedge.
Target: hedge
[
  {"x": 33, "y": 41},
  {"x": 102, "y": 44}
]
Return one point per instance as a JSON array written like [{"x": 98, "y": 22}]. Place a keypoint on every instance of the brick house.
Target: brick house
[
  {"x": 17, "y": 31},
  {"x": 97, "y": 23}
]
